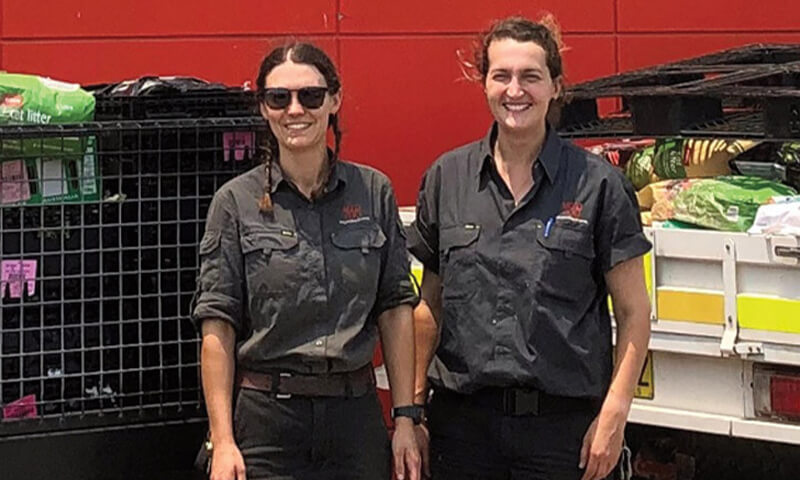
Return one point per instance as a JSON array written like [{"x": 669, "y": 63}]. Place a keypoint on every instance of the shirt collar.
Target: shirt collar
[
  {"x": 549, "y": 157},
  {"x": 335, "y": 177}
]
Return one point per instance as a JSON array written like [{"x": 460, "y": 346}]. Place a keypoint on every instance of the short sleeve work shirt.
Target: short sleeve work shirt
[
  {"x": 303, "y": 286},
  {"x": 524, "y": 295}
]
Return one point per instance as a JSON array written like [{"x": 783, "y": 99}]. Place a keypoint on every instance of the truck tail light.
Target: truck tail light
[{"x": 776, "y": 392}]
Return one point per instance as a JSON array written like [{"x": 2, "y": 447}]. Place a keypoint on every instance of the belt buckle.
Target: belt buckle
[
  {"x": 522, "y": 402},
  {"x": 282, "y": 396}
]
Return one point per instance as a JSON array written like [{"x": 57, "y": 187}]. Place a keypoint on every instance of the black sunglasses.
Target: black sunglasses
[{"x": 309, "y": 97}]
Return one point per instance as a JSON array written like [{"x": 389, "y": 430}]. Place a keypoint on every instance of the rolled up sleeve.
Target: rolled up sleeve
[
  {"x": 423, "y": 234},
  {"x": 219, "y": 285},
  {"x": 619, "y": 232},
  {"x": 395, "y": 285}
]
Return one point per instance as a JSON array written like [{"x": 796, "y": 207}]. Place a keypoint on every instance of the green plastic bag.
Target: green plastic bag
[
  {"x": 50, "y": 169},
  {"x": 790, "y": 153},
  {"x": 28, "y": 99},
  {"x": 668, "y": 158},
  {"x": 639, "y": 168},
  {"x": 725, "y": 203}
]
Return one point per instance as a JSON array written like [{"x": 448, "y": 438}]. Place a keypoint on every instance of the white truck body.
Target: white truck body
[{"x": 725, "y": 311}]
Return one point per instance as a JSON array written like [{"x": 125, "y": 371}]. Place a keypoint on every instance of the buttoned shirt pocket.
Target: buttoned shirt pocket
[
  {"x": 569, "y": 255},
  {"x": 358, "y": 251},
  {"x": 271, "y": 259},
  {"x": 458, "y": 263}
]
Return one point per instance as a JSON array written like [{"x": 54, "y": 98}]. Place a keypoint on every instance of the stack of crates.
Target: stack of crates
[
  {"x": 744, "y": 92},
  {"x": 99, "y": 228},
  {"x": 748, "y": 92}
]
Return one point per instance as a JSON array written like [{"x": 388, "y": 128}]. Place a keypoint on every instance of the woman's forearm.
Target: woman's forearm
[
  {"x": 632, "y": 312},
  {"x": 217, "y": 366},
  {"x": 426, "y": 331},
  {"x": 397, "y": 339}
]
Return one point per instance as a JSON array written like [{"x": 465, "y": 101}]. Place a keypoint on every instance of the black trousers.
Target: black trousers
[
  {"x": 311, "y": 438},
  {"x": 469, "y": 441}
]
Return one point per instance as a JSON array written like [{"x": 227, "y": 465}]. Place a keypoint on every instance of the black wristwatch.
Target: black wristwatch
[{"x": 415, "y": 412}]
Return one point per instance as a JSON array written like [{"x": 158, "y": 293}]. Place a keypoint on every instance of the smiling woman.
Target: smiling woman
[
  {"x": 300, "y": 95},
  {"x": 519, "y": 86},
  {"x": 519, "y": 64},
  {"x": 521, "y": 331},
  {"x": 303, "y": 264}
]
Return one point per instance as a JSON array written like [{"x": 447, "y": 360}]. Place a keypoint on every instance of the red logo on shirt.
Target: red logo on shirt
[
  {"x": 571, "y": 209},
  {"x": 351, "y": 212}
]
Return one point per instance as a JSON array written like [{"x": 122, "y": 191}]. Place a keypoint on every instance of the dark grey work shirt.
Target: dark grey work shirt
[
  {"x": 303, "y": 287},
  {"x": 524, "y": 295}
]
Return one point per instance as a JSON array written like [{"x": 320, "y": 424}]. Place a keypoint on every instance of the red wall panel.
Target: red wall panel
[
  {"x": 588, "y": 56},
  {"x": 91, "y": 61},
  {"x": 104, "y": 18},
  {"x": 469, "y": 15},
  {"x": 707, "y": 16},
  {"x": 406, "y": 101},
  {"x": 641, "y": 50}
]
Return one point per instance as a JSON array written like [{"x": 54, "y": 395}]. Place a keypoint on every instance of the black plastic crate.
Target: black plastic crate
[
  {"x": 687, "y": 96},
  {"x": 782, "y": 116},
  {"x": 666, "y": 115},
  {"x": 742, "y": 65},
  {"x": 171, "y": 98},
  {"x": 106, "y": 328},
  {"x": 234, "y": 103}
]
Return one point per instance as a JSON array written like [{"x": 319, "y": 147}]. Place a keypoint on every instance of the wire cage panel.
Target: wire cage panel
[{"x": 97, "y": 278}]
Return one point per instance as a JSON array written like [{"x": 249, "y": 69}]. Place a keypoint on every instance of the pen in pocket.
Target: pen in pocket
[{"x": 548, "y": 226}]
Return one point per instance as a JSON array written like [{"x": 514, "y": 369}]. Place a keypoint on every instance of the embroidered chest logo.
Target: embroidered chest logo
[
  {"x": 571, "y": 209},
  {"x": 351, "y": 212}
]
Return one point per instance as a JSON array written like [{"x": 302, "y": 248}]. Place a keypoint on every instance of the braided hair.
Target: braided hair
[{"x": 309, "y": 54}]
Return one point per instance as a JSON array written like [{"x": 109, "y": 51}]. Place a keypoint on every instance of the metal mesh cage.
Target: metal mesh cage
[{"x": 99, "y": 227}]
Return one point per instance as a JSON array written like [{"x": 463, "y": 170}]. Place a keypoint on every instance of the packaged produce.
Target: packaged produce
[
  {"x": 725, "y": 203},
  {"x": 781, "y": 216}
]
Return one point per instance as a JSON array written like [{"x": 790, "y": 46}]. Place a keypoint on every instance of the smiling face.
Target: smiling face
[
  {"x": 518, "y": 85},
  {"x": 296, "y": 127}
]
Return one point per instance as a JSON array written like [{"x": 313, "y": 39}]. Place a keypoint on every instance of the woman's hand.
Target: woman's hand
[
  {"x": 602, "y": 444},
  {"x": 227, "y": 462},
  {"x": 423, "y": 442},
  {"x": 405, "y": 450}
]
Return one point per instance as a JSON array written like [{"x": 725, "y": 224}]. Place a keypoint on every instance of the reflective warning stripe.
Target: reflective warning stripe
[
  {"x": 648, "y": 272},
  {"x": 417, "y": 272},
  {"x": 768, "y": 312},
  {"x": 648, "y": 279},
  {"x": 697, "y": 306}
]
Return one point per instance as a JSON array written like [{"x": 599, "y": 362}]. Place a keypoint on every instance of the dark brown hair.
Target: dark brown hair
[
  {"x": 544, "y": 33},
  {"x": 309, "y": 54}
]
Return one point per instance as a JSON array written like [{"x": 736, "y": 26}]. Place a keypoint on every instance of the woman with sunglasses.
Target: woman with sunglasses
[{"x": 303, "y": 263}]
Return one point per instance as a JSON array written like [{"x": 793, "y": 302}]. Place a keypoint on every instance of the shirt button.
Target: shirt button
[{"x": 318, "y": 343}]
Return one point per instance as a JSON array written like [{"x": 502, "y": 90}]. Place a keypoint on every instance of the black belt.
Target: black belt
[
  {"x": 519, "y": 401},
  {"x": 345, "y": 384}
]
